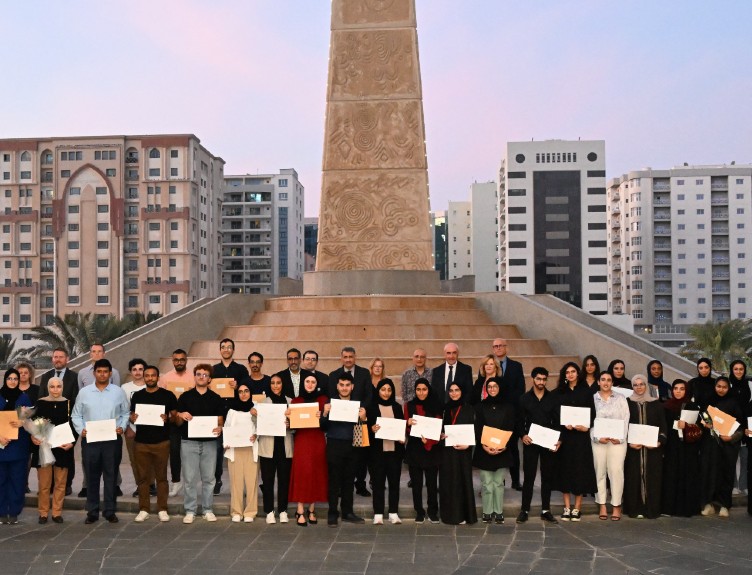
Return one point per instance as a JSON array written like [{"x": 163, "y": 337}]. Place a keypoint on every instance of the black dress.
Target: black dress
[
  {"x": 642, "y": 467},
  {"x": 681, "y": 468},
  {"x": 718, "y": 457},
  {"x": 575, "y": 471},
  {"x": 456, "y": 494},
  {"x": 58, "y": 412},
  {"x": 499, "y": 416}
]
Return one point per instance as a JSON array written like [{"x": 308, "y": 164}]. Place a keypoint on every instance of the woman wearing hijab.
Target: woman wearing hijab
[
  {"x": 386, "y": 454},
  {"x": 702, "y": 387},
  {"x": 740, "y": 387},
  {"x": 617, "y": 369},
  {"x": 681, "y": 456},
  {"x": 575, "y": 470},
  {"x": 499, "y": 413},
  {"x": 643, "y": 465},
  {"x": 719, "y": 453},
  {"x": 309, "y": 476},
  {"x": 655, "y": 379},
  {"x": 275, "y": 455},
  {"x": 422, "y": 455},
  {"x": 489, "y": 368},
  {"x": 590, "y": 372},
  {"x": 14, "y": 456},
  {"x": 609, "y": 452},
  {"x": 55, "y": 408},
  {"x": 456, "y": 471},
  {"x": 241, "y": 465}
]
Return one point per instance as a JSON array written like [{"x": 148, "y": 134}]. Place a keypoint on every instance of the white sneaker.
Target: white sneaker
[
  {"x": 394, "y": 519},
  {"x": 189, "y": 518},
  {"x": 142, "y": 516},
  {"x": 283, "y": 517},
  {"x": 378, "y": 519},
  {"x": 176, "y": 488},
  {"x": 236, "y": 518},
  {"x": 164, "y": 516},
  {"x": 247, "y": 519},
  {"x": 707, "y": 510},
  {"x": 270, "y": 518},
  {"x": 210, "y": 517},
  {"x": 723, "y": 512}
]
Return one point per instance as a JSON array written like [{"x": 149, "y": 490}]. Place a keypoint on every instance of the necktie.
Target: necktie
[
  {"x": 57, "y": 374},
  {"x": 450, "y": 377}
]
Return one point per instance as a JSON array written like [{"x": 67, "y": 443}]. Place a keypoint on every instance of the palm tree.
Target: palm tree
[
  {"x": 76, "y": 333},
  {"x": 8, "y": 354},
  {"x": 719, "y": 342}
]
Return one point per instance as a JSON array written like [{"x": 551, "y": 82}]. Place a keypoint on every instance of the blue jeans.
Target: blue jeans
[{"x": 199, "y": 460}]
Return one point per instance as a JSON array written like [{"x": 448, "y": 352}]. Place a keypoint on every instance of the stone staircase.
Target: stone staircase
[{"x": 389, "y": 327}]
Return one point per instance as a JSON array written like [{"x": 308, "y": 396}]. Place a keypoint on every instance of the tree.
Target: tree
[
  {"x": 8, "y": 354},
  {"x": 720, "y": 342}
]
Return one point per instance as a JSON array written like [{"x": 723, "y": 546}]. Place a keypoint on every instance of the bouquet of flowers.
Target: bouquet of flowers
[{"x": 40, "y": 430}]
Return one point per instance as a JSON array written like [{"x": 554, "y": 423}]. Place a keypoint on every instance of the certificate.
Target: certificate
[
  {"x": 428, "y": 427},
  {"x": 605, "y": 428},
  {"x": 221, "y": 385},
  {"x": 202, "y": 426},
  {"x": 689, "y": 416},
  {"x": 6, "y": 430},
  {"x": 270, "y": 420},
  {"x": 463, "y": 434},
  {"x": 625, "y": 391},
  {"x": 723, "y": 423},
  {"x": 61, "y": 435},
  {"x": 344, "y": 410},
  {"x": 150, "y": 414},
  {"x": 575, "y": 416},
  {"x": 494, "y": 438},
  {"x": 239, "y": 431},
  {"x": 544, "y": 436},
  {"x": 749, "y": 423},
  {"x": 303, "y": 415},
  {"x": 646, "y": 435},
  {"x": 177, "y": 387},
  {"x": 103, "y": 430},
  {"x": 391, "y": 428}
]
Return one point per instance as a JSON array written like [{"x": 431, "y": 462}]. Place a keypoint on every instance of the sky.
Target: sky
[{"x": 662, "y": 83}]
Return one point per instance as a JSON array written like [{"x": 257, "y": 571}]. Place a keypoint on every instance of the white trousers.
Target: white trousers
[{"x": 609, "y": 460}]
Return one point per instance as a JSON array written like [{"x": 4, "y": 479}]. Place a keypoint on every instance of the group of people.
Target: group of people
[{"x": 691, "y": 469}]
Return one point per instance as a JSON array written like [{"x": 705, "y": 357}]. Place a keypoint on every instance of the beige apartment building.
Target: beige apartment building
[{"x": 108, "y": 225}]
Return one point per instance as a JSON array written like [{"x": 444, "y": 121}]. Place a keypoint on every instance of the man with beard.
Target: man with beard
[{"x": 179, "y": 374}]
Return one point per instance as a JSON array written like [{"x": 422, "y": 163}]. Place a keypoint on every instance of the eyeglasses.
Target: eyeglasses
[
  {"x": 500, "y": 345},
  {"x": 11, "y": 378},
  {"x": 202, "y": 375}
]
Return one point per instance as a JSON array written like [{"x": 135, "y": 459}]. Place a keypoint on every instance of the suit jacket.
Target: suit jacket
[
  {"x": 513, "y": 381},
  {"x": 323, "y": 381},
  {"x": 363, "y": 388},
  {"x": 463, "y": 376},
  {"x": 70, "y": 384},
  {"x": 288, "y": 389}
]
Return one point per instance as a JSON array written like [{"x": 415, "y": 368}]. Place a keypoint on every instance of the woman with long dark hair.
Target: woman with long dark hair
[
  {"x": 617, "y": 368},
  {"x": 740, "y": 387},
  {"x": 590, "y": 372},
  {"x": 14, "y": 456}
]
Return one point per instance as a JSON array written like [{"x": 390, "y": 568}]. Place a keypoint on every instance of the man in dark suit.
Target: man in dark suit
[
  {"x": 310, "y": 361},
  {"x": 292, "y": 377},
  {"x": 452, "y": 371},
  {"x": 513, "y": 385},
  {"x": 362, "y": 392},
  {"x": 70, "y": 392}
]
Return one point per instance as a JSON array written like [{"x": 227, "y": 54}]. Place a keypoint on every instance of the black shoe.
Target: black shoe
[
  {"x": 68, "y": 491},
  {"x": 82, "y": 493},
  {"x": 57, "y": 519},
  {"x": 409, "y": 483},
  {"x": 217, "y": 487},
  {"x": 12, "y": 519},
  {"x": 522, "y": 517},
  {"x": 112, "y": 518},
  {"x": 42, "y": 520},
  {"x": 433, "y": 519},
  {"x": 90, "y": 519},
  {"x": 549, "y": 518},
  {"x": 420, "y": 518},
  {"x": 486, "y": 518},
  {"x": 152, "y": 490},
  {"x": 135, "y": 493},
  {"x": 352, "y": 518},
  {"x": 331, "y": 521},
  {"x": 363, "y": 492},
  {"x": 516, "y": 486},
  {"x": 118, "y": 491},
  {"x": 499, "y": 518}
]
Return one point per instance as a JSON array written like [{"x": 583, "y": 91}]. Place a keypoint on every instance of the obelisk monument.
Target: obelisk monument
[{"x": 374, "y": 228}]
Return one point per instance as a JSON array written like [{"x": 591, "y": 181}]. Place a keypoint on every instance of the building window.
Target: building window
[
  {"x": 173, "y": 171},
  {"x": 155, "y": 299},
  {"x": 154, "y": 226},
  {"x": 25, "y": 175},
  {"x": 637, "y": 313},
  {"x": 283, "y": 196},
  {"x": 73, "y": 209},
  {"x": 103, "y": 281},
  {"x": 73, "y": 299},
  {"x": 173, "y": 298},
  {"x": 282, "y": 182},
  {"x": 154, "y": 172},
  {"x": 173, "y": 244},
  {"x": 72, "y": 227},
  {"x": 103, "y": 226},
  {"x": 100, "y": 191},
  {"x": 72, "y": 263},
  {"x": 174, "y": 226},
  {"x": 103, "y": 299},
  {"x": 73, "y": 245},
  {"x": 154, "y": 153},
  {"x": 103, "y": 263},
  {"x": 154, "y": 245},
  {"x": 103, "y": 209},
  {"x": 103, "y": 245},
  {"x": 680, "y": 183}
]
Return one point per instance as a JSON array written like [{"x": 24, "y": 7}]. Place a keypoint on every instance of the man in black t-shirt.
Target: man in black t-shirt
[{"x": 151, "y": 447}]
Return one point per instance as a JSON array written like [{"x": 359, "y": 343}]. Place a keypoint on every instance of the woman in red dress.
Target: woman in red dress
[{"x": 309, "y": 477}]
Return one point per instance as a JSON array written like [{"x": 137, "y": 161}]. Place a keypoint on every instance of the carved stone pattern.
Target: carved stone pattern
[
  {"x": 372, "y": 11},
  {"x": 374, "y": 135},
  {"x": 367, "y": 63},
  {"x": 367, "y": 256}
]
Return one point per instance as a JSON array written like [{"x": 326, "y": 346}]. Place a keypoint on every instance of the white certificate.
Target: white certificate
[
  {"x": 428, "y": 427},
  {"x": 344, "y": 410},
  {"x": 575, "y": 416},
  {"x": 625, "y": 391},
  {"x": 749, "y": 421},
  {"x": 202, "y": 426},
  {"x": 270, "y": 420},
  {"x": 103, "y": 430},
  {"x": 689, "y": 416},
  {"x": 238, "y": 430},
  {"x": 646, "y": 435},
  {"x": 463, "y": 434},
  {"x": 391, "y": 428},
  {"x": 150, "y": 414},
  {"x": 544, "y": 436},
  {"x": 61, "y": 435},
  {"x": 605, "y": 428}
]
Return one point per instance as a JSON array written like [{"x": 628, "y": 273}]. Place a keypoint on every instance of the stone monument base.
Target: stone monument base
[{"x": 368, "y": 282}]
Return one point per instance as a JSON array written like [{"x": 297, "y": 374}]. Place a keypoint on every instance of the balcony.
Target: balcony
[
  {"x": 720, "y": 260},
  {"x": 662, "y": 275},
  {"x": 662, "y": 261},
  {"x": 616, "y": 238},
  {"x": 661, "y": 201},
  {"x": 617, "y": 267},
  {"x": 616, "y": 197},
  {"x": 615, "y": 223},
  {"x": 721, "y": 303},
  {"x": 721, "y": 275},
  {"x": 662, "y": 304},
  {"x": 720, "y": 245},
  {"x": 720, "y": 230},
  {"x": 617, "y": 309},
  {"x": 719, "y": 186},
  {"x": 662, "y": 246},
  {"x": 131, "y": 159},
  {"x": 662, "y": 216},
  {"x": 661, "y": 186},
  {"x": 662, "y": 290},
  {"x": 616, "y": 210},
  {"x": 719, "y": 214},
  {"x": 616, "y": 281},
  {"x": 666, "y": 231},
  {"x": 719, "y": 201},
  {"x": 616, "y": 252}
]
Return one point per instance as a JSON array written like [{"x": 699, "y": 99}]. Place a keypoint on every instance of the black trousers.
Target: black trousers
[
  {"x": 531, "y": 455},
  {"x": 101, "y": 461},
  {"x": 280, "y": 466},
  {"x": 363, "y": 465},
  {"x": 387, "y": 469},
  {"x": 513, "y": 446},
  {"x": 431, "y": 475},
  {"x": 175, "y": 465},
  {"x": 341, "y": 459}
]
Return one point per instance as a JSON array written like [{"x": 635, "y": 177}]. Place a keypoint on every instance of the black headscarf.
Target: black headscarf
[
  {"x": 497, "y": 399},
  {"x": 664, "y": 387},
  {"x": 11, "y": 394},
  {"x": 277, "y": 398},
  {"x": 430, "y": 404},
  {"x": 377, "y": 396},
  {"x": 237, "y": 404},
  {"x": 454, "y": 403},
  {"x": 309, "y": 396}
]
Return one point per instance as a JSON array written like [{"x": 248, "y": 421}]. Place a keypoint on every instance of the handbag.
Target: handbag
[
  {"x": 692, "y": 433},
  {"x": 360, "y": 435}
]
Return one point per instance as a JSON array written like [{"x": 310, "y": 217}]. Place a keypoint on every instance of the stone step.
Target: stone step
[
  {"x": 418, "y": 332},
  {"x": 317, "y": 317},
  {"x": 370, "y": 303}
]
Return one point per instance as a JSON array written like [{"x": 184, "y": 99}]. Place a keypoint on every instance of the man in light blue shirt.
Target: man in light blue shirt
[{"x": 101, "y": 459}]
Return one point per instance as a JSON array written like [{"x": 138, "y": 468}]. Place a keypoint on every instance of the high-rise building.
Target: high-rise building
[
  {"x": 262, "y": 231},
  {"x": 439, "y": 232},
  {"x": 106, "y": 224},
  {"x": 678, "y": 246},
  {"x": 552, "y": 221},
  {"x": 459, "y": 239}
]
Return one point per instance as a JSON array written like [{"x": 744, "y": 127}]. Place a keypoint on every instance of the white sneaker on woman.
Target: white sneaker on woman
[
  {"x": 378, "y": 519},
  {"x": 394, "y": 519}
]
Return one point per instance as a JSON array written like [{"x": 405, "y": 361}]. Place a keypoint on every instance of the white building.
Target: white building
[
  {"x": 552, "y": 221},
  {"x": 262, "y": 231},
  {"x": 459, "y": 240},
  {"x": 679, "y": 248}
]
